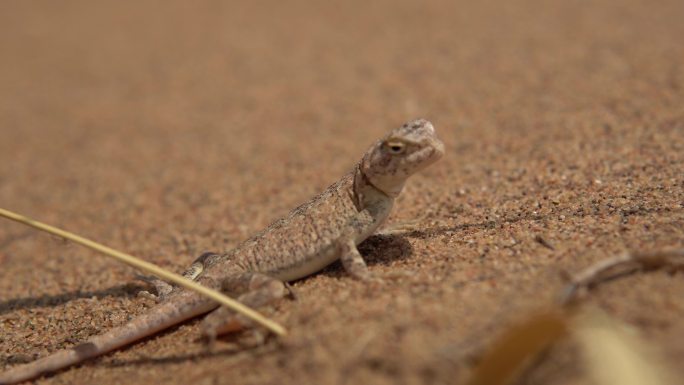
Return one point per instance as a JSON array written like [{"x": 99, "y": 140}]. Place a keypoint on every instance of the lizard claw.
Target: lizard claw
[
  {"x": 395, "y": 275},
  {"x": 162, "y": 288},
  {"x": 383, "y": 278},
  {"x": 147, "y": 295},
  {"x": 371, "y": 278},
  {"x": 403, "y": 227}
]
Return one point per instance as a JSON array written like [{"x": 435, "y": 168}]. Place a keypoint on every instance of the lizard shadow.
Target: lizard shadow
[
  {"x": 174, "y": 359},
  {"x": 377, "y": 250},
  {"x": 235, "y": 350},
  {"x": 489, "y": 224},
  {"x": 125, "y": 290}
]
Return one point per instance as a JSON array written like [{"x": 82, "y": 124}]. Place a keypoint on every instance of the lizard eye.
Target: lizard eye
[{"x": 395, "y": 147}]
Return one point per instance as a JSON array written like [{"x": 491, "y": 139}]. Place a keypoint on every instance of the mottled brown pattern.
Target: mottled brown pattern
[
  {"x": 313, "y": 235},
  {"x": 307, "y": 230}
]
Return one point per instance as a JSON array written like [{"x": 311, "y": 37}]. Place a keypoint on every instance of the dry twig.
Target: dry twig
[
  {"x": 150, "y": 268},
  {"x": 620, "y": 265}
]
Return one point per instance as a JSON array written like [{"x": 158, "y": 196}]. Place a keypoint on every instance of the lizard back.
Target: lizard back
[{"x": 303, "y": 241}]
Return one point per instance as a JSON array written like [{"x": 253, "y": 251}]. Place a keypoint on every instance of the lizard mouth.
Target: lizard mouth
[
  {"x": 438, "y": 146},
  {"x": 428, "y": 155}
]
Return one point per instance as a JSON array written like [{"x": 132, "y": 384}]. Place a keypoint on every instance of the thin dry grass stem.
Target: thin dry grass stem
[
  {"x": 610, "y": 355},
  {"x": 152, "y": 269},
  {"x": 620, "y": 265}
]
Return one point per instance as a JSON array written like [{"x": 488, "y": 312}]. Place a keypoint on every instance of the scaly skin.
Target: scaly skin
[{"x": 310, "y": 237}]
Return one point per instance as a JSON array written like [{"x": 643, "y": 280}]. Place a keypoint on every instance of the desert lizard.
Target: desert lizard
[{"x": 326, "y": 228}]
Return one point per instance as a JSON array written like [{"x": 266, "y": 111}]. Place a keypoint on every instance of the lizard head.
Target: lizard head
[{"x": 401, "y": 153}]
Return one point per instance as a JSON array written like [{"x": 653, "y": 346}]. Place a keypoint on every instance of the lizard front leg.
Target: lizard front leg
[
  {"x": 257, "y": 290},
  {"x": 359, "y": 227},
  {"x": 353, "y": 262}
]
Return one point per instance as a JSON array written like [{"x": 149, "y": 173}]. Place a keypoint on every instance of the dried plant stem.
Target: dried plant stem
[
  {"x": 150, "y": 268},
  {"x": 620, "y": 265}
]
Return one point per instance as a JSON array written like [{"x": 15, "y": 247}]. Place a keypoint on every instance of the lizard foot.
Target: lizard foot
[
  {"x": 161, "y": 288},
  {"x": 370, "y": 278},
  {"x": 261, "y": 291},
  {"x": 403, "y": 227}
]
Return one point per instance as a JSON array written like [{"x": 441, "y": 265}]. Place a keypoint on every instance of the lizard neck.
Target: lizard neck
[{"x": 367, "y": 196}]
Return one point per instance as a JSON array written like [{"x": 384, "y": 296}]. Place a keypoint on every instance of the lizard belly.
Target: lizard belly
[{"x": 307, "y": 265}]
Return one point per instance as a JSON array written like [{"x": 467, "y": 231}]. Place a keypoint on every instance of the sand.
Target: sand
[{"x": 165, "y": 129}]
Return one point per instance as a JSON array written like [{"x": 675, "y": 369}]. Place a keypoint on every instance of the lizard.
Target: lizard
[{"x": 325, "y": 229}]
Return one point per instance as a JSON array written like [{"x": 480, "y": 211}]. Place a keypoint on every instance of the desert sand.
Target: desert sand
[{"x": 166, "y": 129}]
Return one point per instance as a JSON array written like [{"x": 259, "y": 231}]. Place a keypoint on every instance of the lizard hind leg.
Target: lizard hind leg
[
  {"x": 257, "y": 290},
  {"x": 163, "y": 289}
]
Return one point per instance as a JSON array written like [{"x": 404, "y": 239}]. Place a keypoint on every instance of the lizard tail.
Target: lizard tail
[{"x": 183, "y": 306}]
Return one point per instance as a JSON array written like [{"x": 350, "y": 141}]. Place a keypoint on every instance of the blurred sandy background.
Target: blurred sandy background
[{"x": 169, "y": 128}]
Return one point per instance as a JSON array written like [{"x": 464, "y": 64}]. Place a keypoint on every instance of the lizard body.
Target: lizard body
[{"x": 310, "y": 237}]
